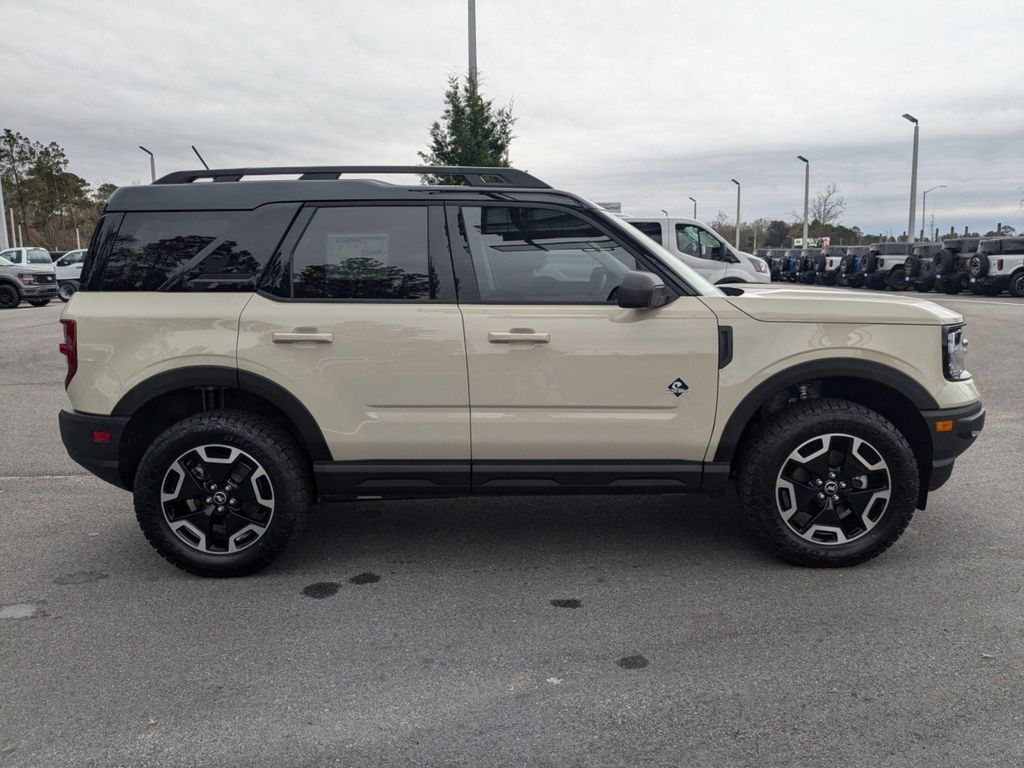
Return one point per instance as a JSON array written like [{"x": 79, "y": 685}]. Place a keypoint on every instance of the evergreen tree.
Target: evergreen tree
[{"x": 471, "y": 131}]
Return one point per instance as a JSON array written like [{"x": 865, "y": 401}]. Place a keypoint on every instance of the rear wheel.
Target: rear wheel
[
  {"x": 9, "y": 297},
  {"x": 896, "y": 281},
  {"x": 1017, "y": 285},
  {"x": 222, "y": 493},
  {"x": 67, "y": 290},
  {"x": 828, "y": 483}
]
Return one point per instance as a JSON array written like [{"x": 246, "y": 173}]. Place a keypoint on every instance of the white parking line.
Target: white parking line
[{"x": 42, "y": 477}]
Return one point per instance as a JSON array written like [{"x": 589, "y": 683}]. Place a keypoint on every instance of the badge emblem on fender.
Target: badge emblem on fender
[{"x": 678, "y": 387}]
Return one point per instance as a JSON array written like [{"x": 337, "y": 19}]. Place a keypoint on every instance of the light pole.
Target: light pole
[
  {"x": 4, "y": 242},
  {"x": 472, "y": 38},
  {"x": 664, "y": 211},
  {"x": 913, "y": 180},
  {"x": 737, "y": 213},
  {"x": 694, "y": 207},
  {"x": 924, "y": 206},
  {"x": 807, "y": 192},
  {"x": 152, "y": 163}
]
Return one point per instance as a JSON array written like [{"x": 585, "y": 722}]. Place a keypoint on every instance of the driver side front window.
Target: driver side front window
[{"x": 542, "y": 255}]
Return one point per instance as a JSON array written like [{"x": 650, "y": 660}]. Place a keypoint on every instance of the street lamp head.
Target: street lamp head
[
  {"x": 145, "y": 150},
  {"x": 801, "y": 157},
  {"x": 692, "y": 199},
  {"x": 911, "y": 118},
  {"x": 735, "y": 182},
  {"x": 664, "y": 211}
]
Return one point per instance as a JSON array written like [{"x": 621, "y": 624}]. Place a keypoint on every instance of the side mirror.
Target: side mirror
[{"x": 642, "y": 290}]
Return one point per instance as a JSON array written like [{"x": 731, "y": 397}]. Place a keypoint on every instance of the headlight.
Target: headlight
[
  {"x": 759, "y": 265},
  {"x": 954, "y": 353},
  {"x": 27, "y": 279}
]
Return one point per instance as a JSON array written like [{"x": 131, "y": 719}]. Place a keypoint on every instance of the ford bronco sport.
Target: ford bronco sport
[{"x": 240, "y": 349}]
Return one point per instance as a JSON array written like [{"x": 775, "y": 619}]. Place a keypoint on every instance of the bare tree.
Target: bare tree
[{"x": 828, "y": 206}]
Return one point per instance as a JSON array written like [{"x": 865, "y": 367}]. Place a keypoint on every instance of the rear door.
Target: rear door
[
  {"x": 566, "y": 388},
  {"x": 359, "y": 321}
]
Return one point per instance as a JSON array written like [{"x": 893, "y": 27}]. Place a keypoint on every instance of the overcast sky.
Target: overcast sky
[{"x": 647, "y": 103}]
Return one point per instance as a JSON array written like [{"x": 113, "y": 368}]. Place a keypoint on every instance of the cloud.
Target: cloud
[{"x": 647, "y": 103}]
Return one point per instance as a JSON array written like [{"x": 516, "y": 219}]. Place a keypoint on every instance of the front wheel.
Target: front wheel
[
  {"x": 9, "y": 297},
  {"x": 1017, "y": 285},
  {"x": 828, "y": 483},
  {"x": 222, "y": 493}
]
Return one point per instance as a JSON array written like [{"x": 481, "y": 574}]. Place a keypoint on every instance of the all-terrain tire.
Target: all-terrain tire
[
  {"x": 9, "y": 297},
  {"x": 1017, "y": 285},
  {"x": 285, "y": 465},
  {"x": 767, "y": 450},
  {"x": 896, "y": 281}
]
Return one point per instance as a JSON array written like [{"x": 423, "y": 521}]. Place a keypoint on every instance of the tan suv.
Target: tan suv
[{"x": 242, "y": 348}]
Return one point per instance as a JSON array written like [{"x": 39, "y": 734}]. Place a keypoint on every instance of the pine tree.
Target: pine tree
[{"x": 471, "y": 130}]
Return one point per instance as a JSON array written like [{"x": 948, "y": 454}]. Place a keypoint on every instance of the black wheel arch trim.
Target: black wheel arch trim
[
  {"x": 866, "y": 370},
  {"x": 223, "y": 377}
]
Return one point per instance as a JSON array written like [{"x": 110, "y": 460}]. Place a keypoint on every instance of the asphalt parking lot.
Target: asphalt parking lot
[{"x": 590, "y": 631}]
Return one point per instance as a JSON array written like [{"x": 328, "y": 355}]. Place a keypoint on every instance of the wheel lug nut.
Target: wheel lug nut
[
  {"x": 233, "y": 502},
  {"x": 213, "y": 486},
  {"x": 220, "y": 509},
  {"x": 821, "y": 497},
  {"x": 831, "y": 475},
  {"x": 208, "y": 500},
  {"x": 842, "y": 485},
  {"x": 818, "y": 482},
  {"x": 836, "y": 497}
]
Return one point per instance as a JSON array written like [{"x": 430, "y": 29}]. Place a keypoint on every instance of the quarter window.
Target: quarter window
[
  {"x": 542, "y": 255},
  {"x": 650, "y": 228},
  {"x": 364, "y": 252}
]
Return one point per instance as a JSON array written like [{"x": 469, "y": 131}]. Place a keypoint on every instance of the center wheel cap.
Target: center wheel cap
[
  {"x": 831, "y": 487},
  {"x": 220, "y": 497}
]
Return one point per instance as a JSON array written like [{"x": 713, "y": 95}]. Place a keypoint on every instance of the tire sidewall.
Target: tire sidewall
[
  {"x": 291, "y": 498},
  {"x": 12, "y": 297}
]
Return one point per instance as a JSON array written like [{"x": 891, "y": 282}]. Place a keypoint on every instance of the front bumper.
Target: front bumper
[
  {"x": 94, "y": 442},
  {"x": 960, "y": 427},
  {"x": 36, "y": 292}
]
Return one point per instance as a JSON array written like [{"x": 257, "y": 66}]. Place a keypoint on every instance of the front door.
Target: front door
[
  {"x": 566, "y": 388},
  {"x": 360, "y": 323}
]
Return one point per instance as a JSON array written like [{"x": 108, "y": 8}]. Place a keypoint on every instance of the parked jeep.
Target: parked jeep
[
  {"x": 826, "y": 267},
  {"x": 240, "y": 349},
  {"x": 808, "y": 265},
  {"x": 997, "y": 266},
  {"x": 793, "y": 259},
  {"x": 920, "y": 267},
  {"x": 883, "y": 266},
  {"x": 953, "y": 263},
  {"x": 851, "y": 266}
]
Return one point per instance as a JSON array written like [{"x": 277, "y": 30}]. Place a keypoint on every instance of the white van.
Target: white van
[{"x": 703, "y": 249}]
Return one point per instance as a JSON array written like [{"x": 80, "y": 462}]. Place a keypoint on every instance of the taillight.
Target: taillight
[
  {"x": 69, "y": 348},
  {"x": 999, "y": 264}
]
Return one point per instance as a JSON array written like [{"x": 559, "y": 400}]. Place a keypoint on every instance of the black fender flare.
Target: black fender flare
[
  {"x": 222, "y": 377},
  {"x": 866, "y": 370}
]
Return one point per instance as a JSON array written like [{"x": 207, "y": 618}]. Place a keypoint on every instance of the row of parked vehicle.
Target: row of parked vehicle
[
  {"x": 38, "y": 276},
  {"x": 982, "y": 265}
]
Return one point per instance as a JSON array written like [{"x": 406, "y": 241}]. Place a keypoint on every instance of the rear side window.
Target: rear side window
[
  {"x": 364, "y": 252},
  {"x": 38, "y": 256},
  {"x": 194, "y": 250},
  {"x": 650, "y": 228}
]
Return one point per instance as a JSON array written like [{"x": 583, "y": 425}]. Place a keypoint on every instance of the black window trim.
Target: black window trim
[
  {"x": 436, "y": 239},
  {"x": 465, "y": 271}
]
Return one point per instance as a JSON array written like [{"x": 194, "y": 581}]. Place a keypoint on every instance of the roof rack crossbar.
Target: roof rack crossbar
[{"x": 473, "y": 176}]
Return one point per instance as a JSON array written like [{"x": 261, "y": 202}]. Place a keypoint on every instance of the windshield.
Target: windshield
[
  {"x": 38, "y": 256},
  {"x": 672, "y": 261}
]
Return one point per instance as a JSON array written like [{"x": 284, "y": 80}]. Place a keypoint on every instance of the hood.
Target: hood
[
  {"x": 44, "y": 268},
  {"x": 788, "y": 305}
]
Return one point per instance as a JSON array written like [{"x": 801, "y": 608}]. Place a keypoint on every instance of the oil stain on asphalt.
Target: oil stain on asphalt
[
  {"x": 81, "y": 577},
  {"x": 570, "y": 603},
  {"x": 321, "y": 589},
  {"x": 364, "y": 578},
  {"x": 632, "y": 662}
]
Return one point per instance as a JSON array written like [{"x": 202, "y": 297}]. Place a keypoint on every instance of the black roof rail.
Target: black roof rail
[{"x": 473, "y": 176}]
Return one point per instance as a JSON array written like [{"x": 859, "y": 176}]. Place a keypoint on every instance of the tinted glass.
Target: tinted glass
[
  {"x": 190, "y": 251},
  {"x": 364, "y": 252},
  {"x": 38, "y": 256},
  {"x": 527, "y": 255},
  {"x": 650, "y": 228}
]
